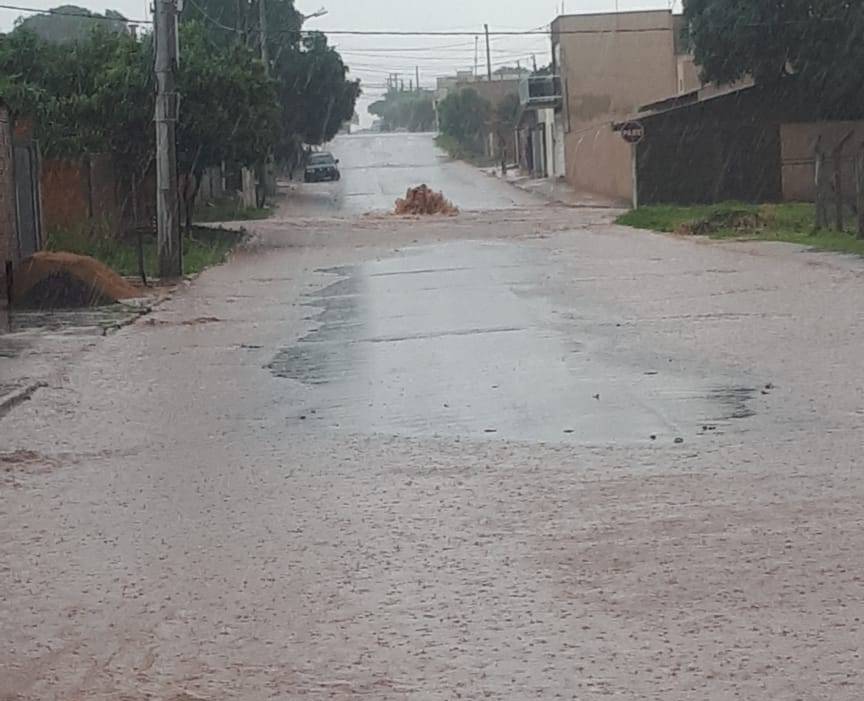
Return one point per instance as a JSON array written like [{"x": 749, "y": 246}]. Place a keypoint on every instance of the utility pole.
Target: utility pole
[
  {"x": 266, "y": 183},
  {"x": 417, "y": 77},
  {"x": 476, "y": 54},
  {"x": 262, "y": 28},
  {"x": 169, "y": 249},
  {"x": 534, "y": 61},
  {"x": 488, "y": 54}
]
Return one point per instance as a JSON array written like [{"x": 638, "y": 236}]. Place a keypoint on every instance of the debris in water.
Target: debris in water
[{"x": 424, "y": 200}]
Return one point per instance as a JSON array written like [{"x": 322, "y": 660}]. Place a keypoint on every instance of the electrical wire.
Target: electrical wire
[
  {"x": 416, "y": 33},
  {"x": 348, "y": 32}
]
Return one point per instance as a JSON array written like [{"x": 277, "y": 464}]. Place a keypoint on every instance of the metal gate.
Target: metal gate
[{"x": 27, "y": 199}]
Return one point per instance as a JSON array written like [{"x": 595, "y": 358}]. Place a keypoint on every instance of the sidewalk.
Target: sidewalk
[
  {"x": 556, "y": 190},
  {"x": 40, "y": 344}
]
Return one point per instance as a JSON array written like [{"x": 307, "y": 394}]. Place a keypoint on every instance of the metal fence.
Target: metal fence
[{"x": 27, "y": 199}]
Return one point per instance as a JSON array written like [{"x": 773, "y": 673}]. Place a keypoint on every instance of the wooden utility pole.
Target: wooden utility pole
[
  {"x": 170, "y": 254},
  {"x": 476, "y": 54},
  {"x": 262, "y": 28},
  {"x": 488, "y": 54},
  {"x": 417, "y": 76}
]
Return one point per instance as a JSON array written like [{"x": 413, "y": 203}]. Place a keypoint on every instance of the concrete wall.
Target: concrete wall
[
  {"x": 8, "y": 239},
  {"x": 688, "y": 74},
  {"x": 560, "y": 170},
  {"x": 624, "y": 61},
  {"x": 797, "y": 141}
]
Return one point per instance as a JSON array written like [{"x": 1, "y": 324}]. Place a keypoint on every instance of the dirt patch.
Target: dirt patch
[
  {"x": 424, "y": 200},
  {"x": 743, "y": 221},
  {"x": 198, "y": 321},
  {"x": 26, "y": 461},
  {"x": 51, "y": 279}
]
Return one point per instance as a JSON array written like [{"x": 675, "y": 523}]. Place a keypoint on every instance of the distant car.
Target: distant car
[{"x": 322, "y": 167}]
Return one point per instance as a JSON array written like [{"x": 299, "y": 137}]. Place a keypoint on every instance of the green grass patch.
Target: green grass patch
[
  {"x": 790, "y": 222},
  {"x": 203, "y": 248},
  {"x": 228, "y": 209}
]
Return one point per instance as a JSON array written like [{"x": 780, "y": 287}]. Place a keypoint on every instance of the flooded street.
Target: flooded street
[
  {"x": 378, "y": 168},
  {"x": 461, "y": 340},
  {"x": 522, "y": 453}
]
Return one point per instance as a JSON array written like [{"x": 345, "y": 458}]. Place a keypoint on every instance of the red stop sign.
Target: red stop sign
[{"x": 632, "y": 132}]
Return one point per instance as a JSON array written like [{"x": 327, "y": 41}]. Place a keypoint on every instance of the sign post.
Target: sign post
[{"x": 633, "y": 133}]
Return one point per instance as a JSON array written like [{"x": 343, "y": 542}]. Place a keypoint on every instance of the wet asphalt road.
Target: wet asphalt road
[
  {"x": 399, "y": 459},
  {"x": 459, "y": 339},
  {"x": 378, "y": 168}
]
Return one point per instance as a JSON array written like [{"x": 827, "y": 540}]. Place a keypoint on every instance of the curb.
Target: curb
[{"x": 15, "y": 397}]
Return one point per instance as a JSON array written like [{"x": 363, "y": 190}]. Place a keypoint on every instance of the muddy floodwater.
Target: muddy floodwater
[{"x": 521, "y": 453}]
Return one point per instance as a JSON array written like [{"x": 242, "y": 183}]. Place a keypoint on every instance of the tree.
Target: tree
[
  {"x": 213, "y": 129},
  {"x": 230, "y": 21},
  {"x": 314, "y": 93},
  {"x": 463, "y": 116},
  {"x": 506, "y": 118},
  {"x": 405, "y": 110},
  {"x": 72, "y": 23},
  {"x": 821, "y": 42},
  {"x": 96, "y": 96}
]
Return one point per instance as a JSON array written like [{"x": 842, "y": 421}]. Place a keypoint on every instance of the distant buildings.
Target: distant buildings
[{"x": 702, "y": 143}]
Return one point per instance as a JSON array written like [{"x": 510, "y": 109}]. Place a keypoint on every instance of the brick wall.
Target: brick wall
[{"x": 85, "y": 192}]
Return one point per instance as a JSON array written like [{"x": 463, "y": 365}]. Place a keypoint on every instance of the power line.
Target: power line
[
  {"x": 345, "y": 32},
  {"x": 416, "y": 33},
  {"x": 210, "y": 18}
]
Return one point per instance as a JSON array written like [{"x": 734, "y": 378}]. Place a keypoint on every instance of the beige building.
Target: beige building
[{"x": 610, "y": 65}]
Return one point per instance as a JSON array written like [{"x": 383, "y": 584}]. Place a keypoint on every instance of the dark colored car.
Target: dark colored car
[{"x": 321, "y": 167}]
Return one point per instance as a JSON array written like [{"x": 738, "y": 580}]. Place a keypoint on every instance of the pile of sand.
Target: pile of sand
[
  {"x": 56, "y": 280},
  {"x": 423, "y": 200}
]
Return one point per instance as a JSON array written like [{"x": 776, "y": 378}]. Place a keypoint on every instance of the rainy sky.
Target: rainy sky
[{"x": 372, "y": 58}]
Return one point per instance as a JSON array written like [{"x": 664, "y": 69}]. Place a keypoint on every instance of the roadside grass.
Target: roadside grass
[
  {"x": 228, "y": 209},
  {"x": 203, "y": 248},
  {"x": 792, "y": 223},
  {"x": 460, "y": 152}
]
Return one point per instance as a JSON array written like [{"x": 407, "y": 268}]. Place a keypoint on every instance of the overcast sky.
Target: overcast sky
[{"x": 372, "y": 58}]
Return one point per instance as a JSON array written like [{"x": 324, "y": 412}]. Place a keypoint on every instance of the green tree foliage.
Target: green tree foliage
[
  {"x": 230, "y": 21},
  {"x": 507, "y": 113},
  {"x": 89, "y": 96},
  {"x": 405, "y": 110},
  {"x": 228, "y": 109},
  {"x": 821, "y": 42},
  {"x": 464, "y": 116},
  {"x": 95, "y": 93},
  {"x": 72, "y": 23},
  {"x": 314, "y": 93}
]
